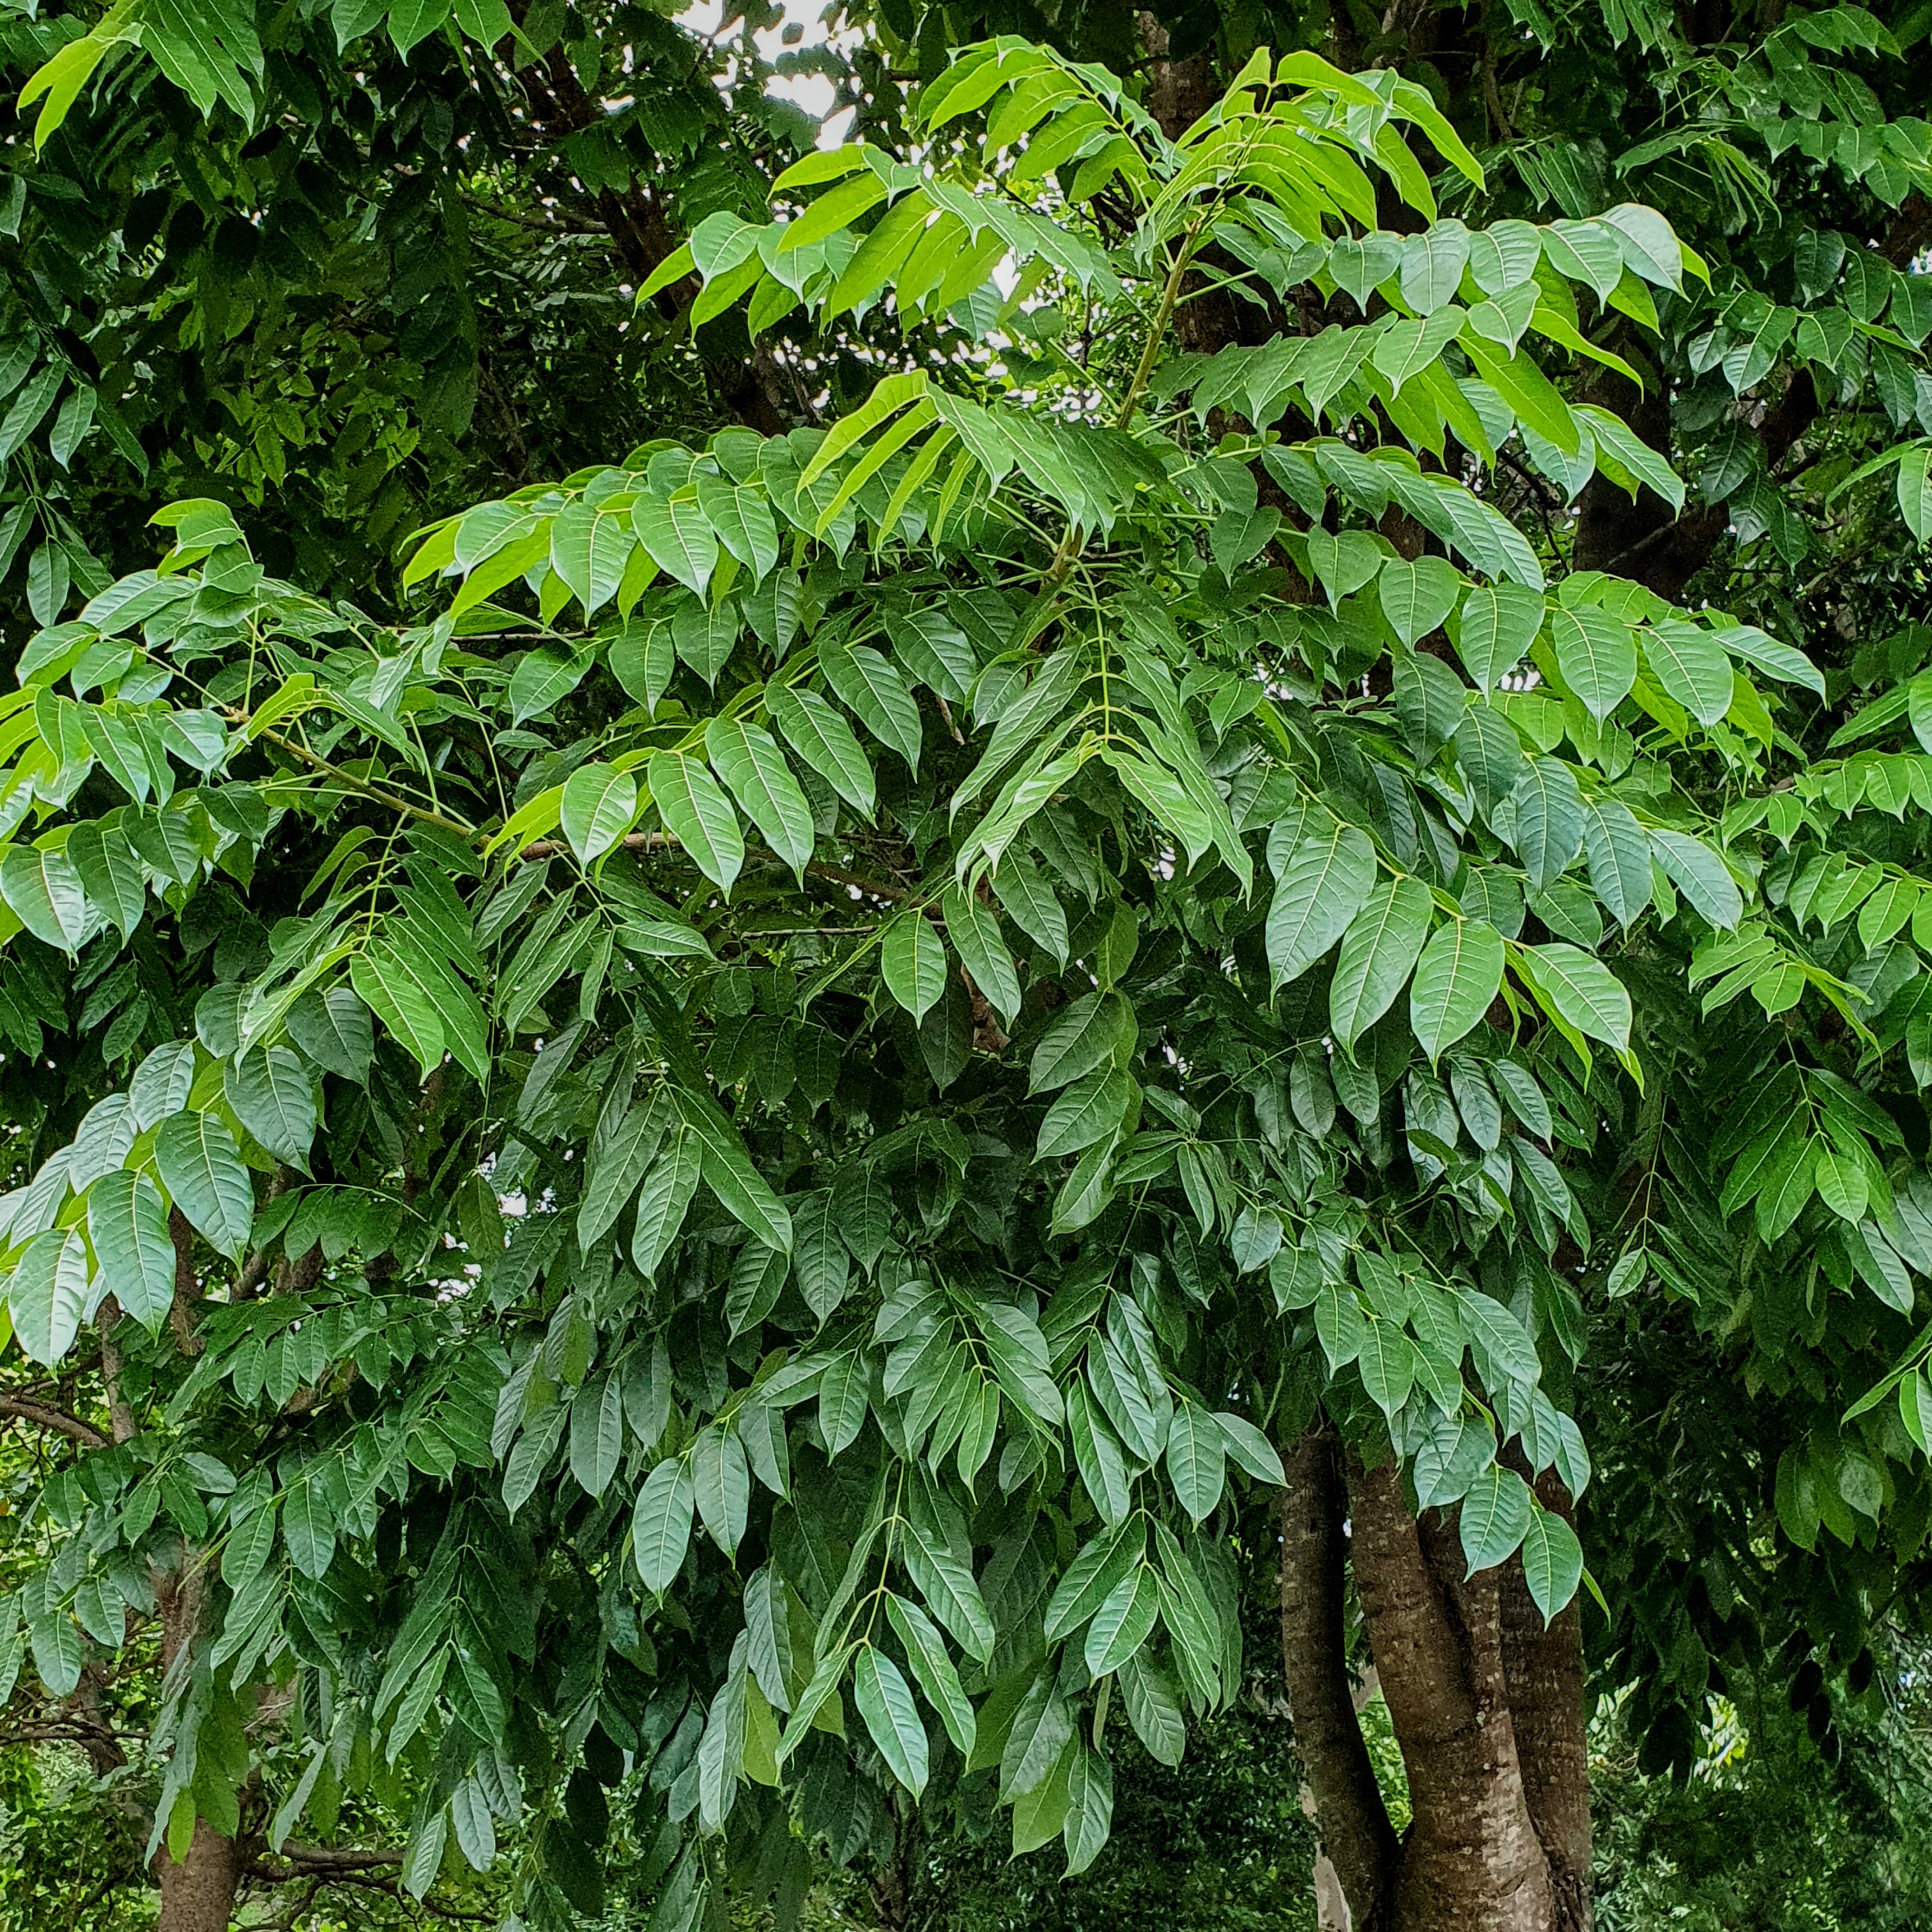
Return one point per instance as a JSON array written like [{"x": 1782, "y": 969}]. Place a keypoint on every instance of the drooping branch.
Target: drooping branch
[{"x": 1353, "y": 1821}]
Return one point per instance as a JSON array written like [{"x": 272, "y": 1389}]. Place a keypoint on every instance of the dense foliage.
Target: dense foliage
[{"x": 670, "y": 1137}]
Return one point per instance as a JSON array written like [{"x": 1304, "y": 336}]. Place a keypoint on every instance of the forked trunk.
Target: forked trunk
[{"x": 1486, "y": 1704}]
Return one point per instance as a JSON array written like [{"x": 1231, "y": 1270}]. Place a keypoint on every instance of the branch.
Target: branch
[{"x": 46, "y": 1415}]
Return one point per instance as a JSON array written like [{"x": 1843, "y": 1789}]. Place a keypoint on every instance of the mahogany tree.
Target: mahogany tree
[{"x": 719, "y": 1155}]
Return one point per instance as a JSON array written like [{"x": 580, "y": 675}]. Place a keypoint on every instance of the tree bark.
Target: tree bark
[
  {"x": 198, "y": 1892},
  {"x": 1487, "y": 1707},
  {"x": 198, "y": 1889},
  {"x": 1544, "y": 1671},
  {"x": 1356, "y": 1835},
  {"x": 1472, "y": 1860}
]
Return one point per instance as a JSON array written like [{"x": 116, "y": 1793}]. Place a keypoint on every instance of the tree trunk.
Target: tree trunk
[
  {"x": 1487, "y": 1708},
  {"x": 197, "y": 1890},
  {"x": 1357, "y": 1838}
]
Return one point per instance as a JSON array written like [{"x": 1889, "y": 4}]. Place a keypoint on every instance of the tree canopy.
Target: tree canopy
[{"x": 1200, "y": 812}]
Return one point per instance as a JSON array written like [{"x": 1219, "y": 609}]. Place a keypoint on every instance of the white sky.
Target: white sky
[{"x": 812, "y": 92}]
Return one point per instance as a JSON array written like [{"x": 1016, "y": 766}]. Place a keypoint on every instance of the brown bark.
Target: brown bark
[
  {"x": 120, "y": 1415},
  {"x": 187, "y": 1284},
  {"x": 1472, "y": 1860},
  {"x": 1544, "y": 1668},
  {"x": 197, "y": 1889},
  {"x": 1356, "y": 1833}
]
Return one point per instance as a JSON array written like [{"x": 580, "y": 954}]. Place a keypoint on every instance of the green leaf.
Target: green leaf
[
  {"x": 912, "y": 961},
  {"x": 1584, "y": 991},
  {"x": 308, "y": 1524},
  {"x": 1093, "y": 1030},
  {"x": 1030, "y": 903},
  {"x": 1700, "y": 875},
  {"x": 875, "y": 694},
  {"x": 127, "y": 1226},
  {"x": 1433, "y": 264},
  {"x": 1379, "y": 951},
  {"x": 273, "y": 1098},
  {"x": 44, "y": 892},
  {"x": 661, "y": 1524},
  {"x": 697, "y": 814},
  {"x": 884, "y": 1700},
  {"x": 1090, "y": 1808},
  {"x": 926, "y": 1650},
  {"x": 1251, "y": 1449},
  {"x": 728, "y": 1171},
  {"x": 1779, "y": 660},
  {"x": 951, "y": 1593},
  {"x": 1340, "y": 1324},
  {"x": 46, "y": 1293},
  {"x": 1092, "y": 1577},
  {"x": 975, "y": 934},
  {"x": 1123, "y": 1622},
  {"x": 401, "y": 1005},
  {"x": 841, "y": 1404},
  {"x": 1195, "y": 1457},
  {"x": 417, "y": 981},
  {"x": 1460, "y": 972},
  {"x": 825, "y": 741},
  {"x": 743, "y": 521},
  {"x": 1086, "y": 1113},
  {"x": 1915, "y": 491},
  {"x": 1549, "y": 831},
  {"x": 1552, "y": 1561},
  {"x": 721, "y": 1483},
  {"x": 677, "y": 538},
  {"x": 1097, "y": 1455},
  {"x": 1618, "y": 856},
  {"x": 201, "y": 1168},
  {"x": 1387, "y": 1364},
  {"x": 1618, "y": 445},
  {"x": 1596, "y": 655},
  {"x": 617, "y": 1163},
  {"x": 599, "y": 806},
  {"x": 1496, "y": 1516},
  {"x": 1153, "y": 1709},
  {"x": 333, "y": 1029},
  {"x": 1496, "y": 626},
  {"x": 543, "y": 678},
  {"x": 589, "y": 549},
  {"x": 1416, "y": 597},
  {"x": 1324, "y": 885},
  {"x": 749, "y": 761},
  {"x": 597, "y": 1433},
  {"x": 665, "y": 1198}
]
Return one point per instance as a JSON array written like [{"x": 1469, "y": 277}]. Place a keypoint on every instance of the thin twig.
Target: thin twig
[{"x": 316, "y": 762}]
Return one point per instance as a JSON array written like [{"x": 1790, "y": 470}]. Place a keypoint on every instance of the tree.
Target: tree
[{"x": 1300, "y": 1114}]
